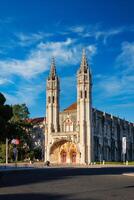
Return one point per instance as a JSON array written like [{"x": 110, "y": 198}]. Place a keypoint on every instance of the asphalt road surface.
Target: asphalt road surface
[{"x": 67, "y": 183}]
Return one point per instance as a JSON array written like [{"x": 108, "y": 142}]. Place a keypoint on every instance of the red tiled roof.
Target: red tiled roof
[
  {"x": 71, "y": 107},
  {"x": 36, "y": 120}
]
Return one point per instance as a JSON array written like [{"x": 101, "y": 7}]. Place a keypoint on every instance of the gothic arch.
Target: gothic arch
[
  {"x": 57, "y": 144},
  {"x": 64, "y": 151}
]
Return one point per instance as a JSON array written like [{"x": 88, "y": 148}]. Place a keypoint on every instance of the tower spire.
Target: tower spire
[
  {"x": 84, "y": 110},
  {"x": 84, "y": 64},
  {"x": 53, "y": 69}
]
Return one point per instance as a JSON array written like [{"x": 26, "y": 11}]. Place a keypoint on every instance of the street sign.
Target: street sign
[{"x": 15, "y": 141}]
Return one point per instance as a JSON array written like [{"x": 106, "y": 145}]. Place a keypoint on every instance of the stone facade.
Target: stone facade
[
  {"x": 37, "y": 132},
  {"x": 81, "y": 134}
]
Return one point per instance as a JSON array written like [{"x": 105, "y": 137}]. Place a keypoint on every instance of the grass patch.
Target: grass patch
[{"x": 115, "y": 163}]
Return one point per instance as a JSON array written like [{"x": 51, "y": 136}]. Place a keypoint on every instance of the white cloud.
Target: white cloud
[
  {"x": 29, "y": 39},
  {"x": 107, "y": 33},
  {"x": 77, "y": 29},
  {"x": 97, "y": 31},
  {"x": 4, "y": 81},
  {"x": 125, "y": 61},
  {"x": 119, "y": 87},
  {"x": 27, "y": 71},
  {"x": 38, "y": 60},
  {"x": 27, "y": 92}
]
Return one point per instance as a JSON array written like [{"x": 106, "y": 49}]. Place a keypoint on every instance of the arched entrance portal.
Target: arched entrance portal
[{"x": 64, "y": 152}]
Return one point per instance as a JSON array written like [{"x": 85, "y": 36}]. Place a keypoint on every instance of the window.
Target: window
[
  {"x": 53, "y": 99},
  {"x": 81, "y": 94},
  {"x": 85, "y": 94},
  {"x": 49, "y": 99},
  {"x": 68, "y": 125},
  {"x": 85, "y": 77}
]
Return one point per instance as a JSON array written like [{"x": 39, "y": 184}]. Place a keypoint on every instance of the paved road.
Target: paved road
[{"x": 67, "y": 184}]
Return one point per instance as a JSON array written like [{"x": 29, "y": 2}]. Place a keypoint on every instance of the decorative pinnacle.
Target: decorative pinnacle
[
  {"x": 83, "y": 52},
  {"x": 84, "y": 64},
  {"x": 53, "y": 69}
]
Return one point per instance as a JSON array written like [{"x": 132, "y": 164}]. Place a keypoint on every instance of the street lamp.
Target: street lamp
[{"x": 6, "y": 151}]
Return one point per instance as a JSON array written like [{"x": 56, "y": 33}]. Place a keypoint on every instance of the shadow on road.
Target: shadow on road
[
  {"x": 32, "y": 196},
  {"x": 130, "y": 186},
  {"x": 15, "y": 178},
  {"x": 37, "y": 196}
]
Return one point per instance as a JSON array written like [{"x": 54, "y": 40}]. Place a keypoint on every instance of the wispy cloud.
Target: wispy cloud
[
  {"x": 29, "y": 39},
  {"x": 67, "y": 52},
  {"x": 125, "y": 61},
  {"x": 118, "y": 89},
  {"x": 106, "y": 34},
  {"x": 38, "y": 59},
  {"x": 99, "y": 32},
  {"x": 4, "y": 81},
  {"x": 26, "y": 92},
  {"x": 77, "y": 29}
]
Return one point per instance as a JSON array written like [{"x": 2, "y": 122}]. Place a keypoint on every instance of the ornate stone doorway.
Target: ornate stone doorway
[{"x": 64, "y": 152}]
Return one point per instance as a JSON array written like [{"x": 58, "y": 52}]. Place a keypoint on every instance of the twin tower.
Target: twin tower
[{"x": 58, "y": 148}]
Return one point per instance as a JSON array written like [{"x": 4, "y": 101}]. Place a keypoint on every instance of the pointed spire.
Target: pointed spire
[
  {"x": 84, "y": 64},
  {"x": 53, "y": 69}
]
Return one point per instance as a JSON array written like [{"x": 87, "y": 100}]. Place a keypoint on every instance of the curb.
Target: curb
[{"x": 128, "y": 174}]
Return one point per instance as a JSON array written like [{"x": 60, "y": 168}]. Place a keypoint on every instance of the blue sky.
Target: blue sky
[{"x": 32, "y": 31}]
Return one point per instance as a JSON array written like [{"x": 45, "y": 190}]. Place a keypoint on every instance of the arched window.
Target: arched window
[{"x": 68, "y": 125}]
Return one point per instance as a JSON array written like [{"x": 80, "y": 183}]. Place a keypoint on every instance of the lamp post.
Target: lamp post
[{"x": 6, "y": 151}]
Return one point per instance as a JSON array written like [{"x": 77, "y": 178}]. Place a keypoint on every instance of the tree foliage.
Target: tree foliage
[
  {"x": 2, "y": 99},
  {"x": 19, "y": 122},
  {"x": 20, "y": 112},
  {"x": 14, "y": 124},
  {"x": 5, "y": 115},
  {"x": 13, "y": 120}
]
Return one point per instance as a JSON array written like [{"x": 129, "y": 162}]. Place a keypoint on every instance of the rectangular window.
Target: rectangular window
[
  {"x": 85, "y": 94},
  {"x": 53, "y": 99},
  {"x": 81, "y": 94},
  {"x": 49, "y": 99}
]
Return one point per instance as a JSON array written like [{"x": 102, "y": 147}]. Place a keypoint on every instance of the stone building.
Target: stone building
[
  {"x": 81, "y": 134},
  {"x": 37, "y": 132}
]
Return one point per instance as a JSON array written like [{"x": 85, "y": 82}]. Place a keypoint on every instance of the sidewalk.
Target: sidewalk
[
  {"x": 129, "y": 174},
  {"x": 36, "y": 165}
]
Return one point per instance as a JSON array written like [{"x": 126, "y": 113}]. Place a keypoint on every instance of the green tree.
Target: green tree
[
  {"x": 20, "y": 124},
  {"x": 5, "y": 115},
  {"x": 2, "y": 152},
  {"x": 21, "y": 128},
  {"x": 14, "y": 124},
  {"x": 20, "y": 112}
]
